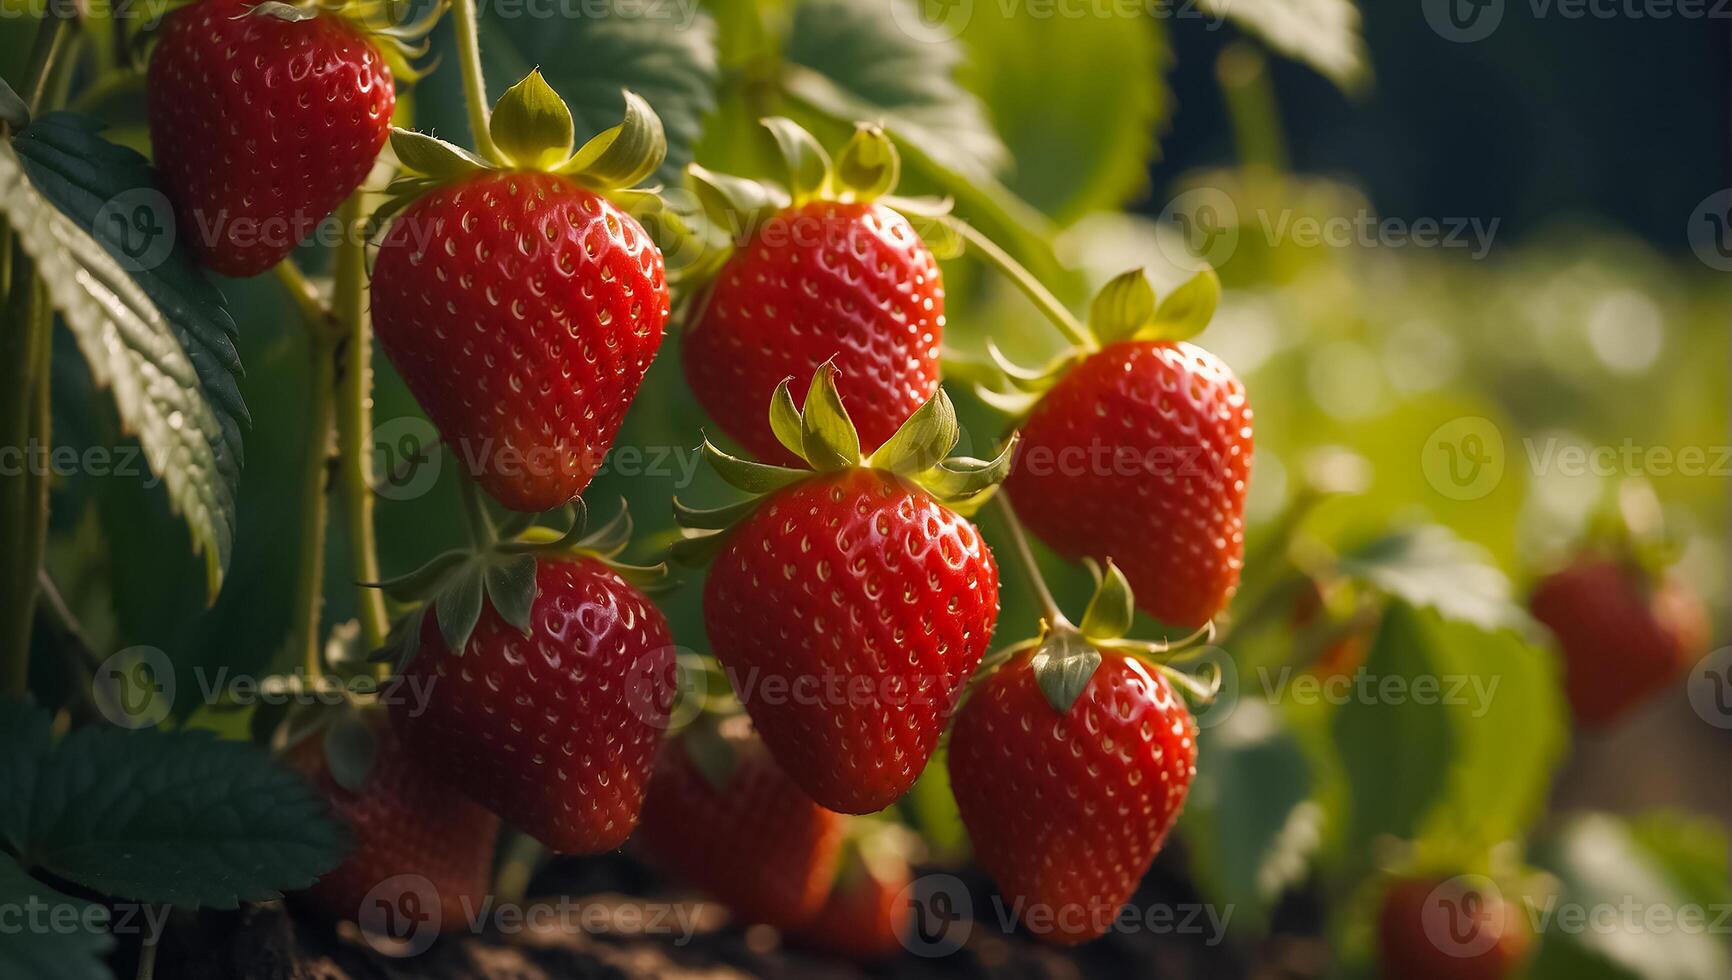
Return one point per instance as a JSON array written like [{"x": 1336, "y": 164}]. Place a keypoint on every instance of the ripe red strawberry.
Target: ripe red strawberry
[
  {"x": 522, "y": 310},
  {"x": 849, "y": 281},
  {"x": 866, "y": 917},
  {"x": 1623, "y": 639},
  {"x": 555, "y": 731},
  {"x": 261, "y": 126},
  {"x": 849, "y": 609},
  {"x": 1066, "y": 812},
  {"x": 754, "y": 841},
  {"x": 1141, "y": 453},
  {"x": 1434, "y": 929},
  {"x": 405, "y": 822}
]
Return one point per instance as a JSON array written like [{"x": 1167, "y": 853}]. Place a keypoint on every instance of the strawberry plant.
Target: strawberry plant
[{"x": 1030, "y": 557}]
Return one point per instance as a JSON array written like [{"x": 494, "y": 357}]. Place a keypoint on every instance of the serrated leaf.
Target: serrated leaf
[
  {"x": 350, "y": 749},
  {"x": 805, "y": 165},
  {"x": 531, "y": 124},
  {"x": 159, "y": 336},
  {"x": 1324, "y": 34},
  {"x": 856, "y": 60},
  {"x": 179, "y": 818},
  {"x": 1430, "y": 566},
  {"x": 1124, "y": 306},
  {"x": 623, "y": 155},
  {"x": 1111, "y": 609},
  {"x": 1189, "y": 308},
  {"x": 923, "y": 440},
  {"x": 25, "y": 739},
  {"x": 434, "y": 157},
  {"x": 827, "y": 436},
  {"x": 75, "y": 953},
  {"x": 511, "y": 588},
  {"x": 457, "y": 607},
  {"x": 1063, "y": 666}
]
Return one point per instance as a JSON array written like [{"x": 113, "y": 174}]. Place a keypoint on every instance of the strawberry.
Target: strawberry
[
  {"x": 850, "y": 605},
  {"x": 404, "y": 822},
  {"x": 1140, "y": 451},
  {"x": 521, "y": 306},
  {"x": 867, "y": 915},
  {"x": 549, "y": 708},
  {"x": 822, "y": 278},
  {"x": 262, "y": 124},
  {"x": 1070, "y": 763},
  {"x": 745, "y": 834},
  {"x": 1623, "y": 638},
  {"x": 1432, "y": 929}
]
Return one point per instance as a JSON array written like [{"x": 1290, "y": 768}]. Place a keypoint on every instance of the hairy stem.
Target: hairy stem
[
  {"x": 1024, "y": 555},
  {"x": 1024, "y": 280},
  {"x": 355, "y": 423},
  {"x": 310, "y": 565},
  {"x": 463, "y": 20}
]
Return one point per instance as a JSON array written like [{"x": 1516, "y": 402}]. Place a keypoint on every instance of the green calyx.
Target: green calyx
[
  {"x": 532, "y": 128},
  {"x": 1126, "y": 308},
  {"x": 825, "y": 439},
  {"x": 500, "y": 567},
  {"x": 402, "y": 41}
]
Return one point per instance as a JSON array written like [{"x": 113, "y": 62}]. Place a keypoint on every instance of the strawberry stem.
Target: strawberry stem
[
  {"x": 24, "y": 350},
  {"x": 310, "y": 565},
  {"x": 463, "y": 21},
  {"x": 1024, "y": 280},
  {"x": 476, "y": 519},
  {"x": 1049, "y": 609}
]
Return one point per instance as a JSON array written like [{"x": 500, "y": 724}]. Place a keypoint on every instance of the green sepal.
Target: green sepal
[
  {"x": 868, "y": 166},
  {"x": 806, "y": 164},
  {"x": 712, "y": 519},
  {"x": 963, "y": 477},
  {"x": 699, "y": 547},
  {"x": 350, "y": 748},
  {"x": 756, "y": 478},
  {"x": 422, "y": 582},
  {"x": 1032, "y": 380},
  {"x": 1063, "y": 665},
  {"x": 1124, "y": 306},
  {"x": 941, "y": 237},
  {"x": 621, "y": 157},
  {"x": 510, "y": 586},
  {"x": 737, "y": 205},
  {"x": 282, "y": 11},
  {"x": 531, "y": 125},
  {"x": 712, "y": 755},
  {"x": 1015, "y": 404},
  {"x": 603, "y": 544},
  {"x": 923, "y": 441},
  {"x": 827, "y": 435},
  {"x": 13, "y": 111},
  {"x": 1111, "y": 610},
  {"x": 785, "y": 421},
  {"x": 1184, "y": 313},
  {"x": 433, "y": 157},
  {"x": 457, "y": 605}
]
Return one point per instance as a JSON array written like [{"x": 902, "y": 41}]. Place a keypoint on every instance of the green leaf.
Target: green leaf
[
  {"x": 531, "y": 124},
  {"x": 624, "y": 155},
  {"x": 457, "y": 605},
  {"x": 1111, "y": 610},
  {"x": 511, "y": 588},
  {"x": 827, "y": 435},
  {"x": 1188, "y": 309},
  {"x": 433, "y": 157},
  {"x": 961, "y": 477},
  {"x": 746, "y": 475},
  {"x": 1430, "y": 566},
  {"x": 1324, "y": 34},
  {"x": 856, "y": 60},
  {"x": 667, "y": 56},
  {"x": 25, "y": 739},
  {"x": 55, "y": 935},
  {"x": 1124, "y": 306},
  {"x": 160, "y": 335},
  {"x": 734, "y": 204},
  {"x": 714, "y": 519},
  {"x": 868, "y": 166},
  {"x": 923, "y": 440},
  {"x": 1063, "y": 666},
  {"x": 806, "y": 167},
  {"x": 785, "y": 421},
  {"x": 178, "y": 818}
]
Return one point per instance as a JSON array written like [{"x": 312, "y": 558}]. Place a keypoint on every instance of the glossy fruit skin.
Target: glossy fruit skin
[
  {"x": 555, "y": 732},
  {"x": 405, "y": 821},
  {"x": 848, "y": 611},
  {"x": 522, "y": 311},
  {"x": 827, "y": 279},
  {"x": 1622, "y": 640},
  {"x": 866, "y": 917},
  {"x": 1066, "y": 813},
  {"x": 758, "y": 843},
  {"x": 1421, "y": 935},
  {"x": 261, "y": 127},
  {"x": 1142, "y": 454}
]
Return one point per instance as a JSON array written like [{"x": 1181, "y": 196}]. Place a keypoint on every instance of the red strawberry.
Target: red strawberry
[
  {"x": 849, "y": 609},
  {"x": 1432, "y": 929},
  {"x": 755, "y": 841},
  {"x": 1623, "y": 639},
  {"x": 849, "y": 281},
  {"x": 555, "y": 731},
  {"x": 1141, "y": 454},
  {"x": 405, "y": 822},
  {"x": 1067, "y": 812},
  {"x": 522, "y": 310},
  {"x": 866, "y": 916},
  {"x": 262, "y": 126}
]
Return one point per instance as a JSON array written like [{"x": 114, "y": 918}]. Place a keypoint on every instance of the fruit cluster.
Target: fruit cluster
[{"x": 522, "y": 300}]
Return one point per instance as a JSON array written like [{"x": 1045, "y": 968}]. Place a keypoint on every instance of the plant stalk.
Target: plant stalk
[
  {"x": 310, "y": 565},
  {"x": 1024, "y": 280},
  {"x": 53, "y": 38},
  {"x": 24, "y": 355},
  {"x": 464, "y": 21},
  {"x": 355, "y": 423},
  {"x": 1024, "y": 555}
]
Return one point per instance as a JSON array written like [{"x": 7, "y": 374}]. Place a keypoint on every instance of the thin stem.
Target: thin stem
[
  {"x": 1024, "y": 280},
  {"x": 307, "y": 299},
  {"x": 479, "y": 523},
  {"x": 355, "y": 423},
  {"x": 463, "y": 21},
  {"x": 24, "y": 348},
  {"x": 310, "y": 566},
  {"x": 1049, "y": 609},
  {"x": 147, "y": 957},
  {"x": 59, "y": 29},
  {"x": 522, "y": 854}
]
